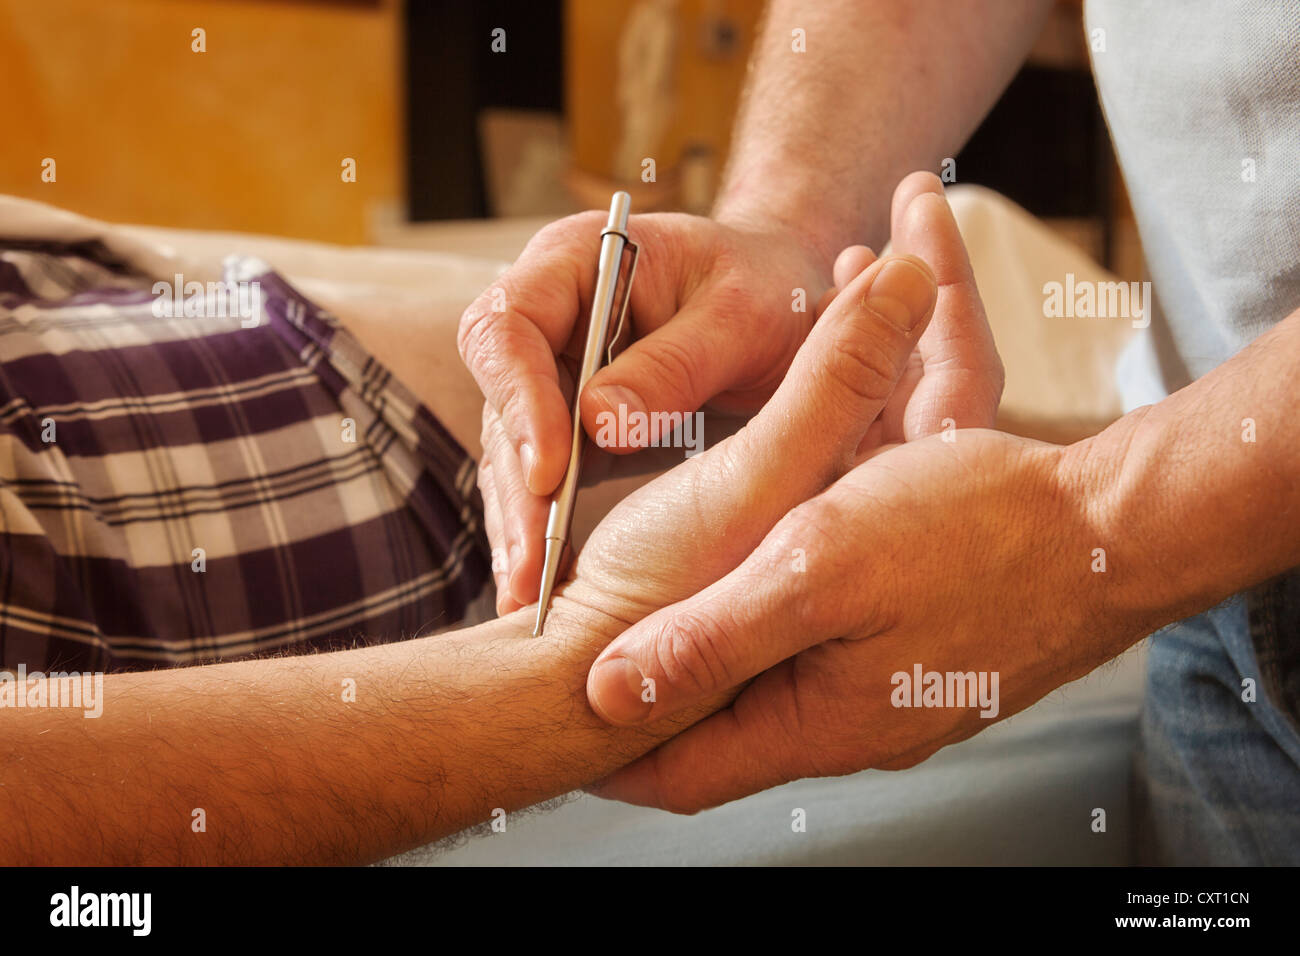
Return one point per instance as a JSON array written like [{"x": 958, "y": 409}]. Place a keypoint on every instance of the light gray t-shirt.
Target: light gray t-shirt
[{"x": 1203, "y": 102}]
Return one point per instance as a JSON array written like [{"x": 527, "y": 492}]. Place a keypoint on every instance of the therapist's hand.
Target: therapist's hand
[
  {"x": 974, "y": 555},
  {"x": 875, "y": 540},
  {"x": 857, "y": 370},
  {"x": 953, "y": 377},
  {"x": 899, "y": 351},
  {"x": 713, "y": 318},
  {"x": 696, "y": 522}
]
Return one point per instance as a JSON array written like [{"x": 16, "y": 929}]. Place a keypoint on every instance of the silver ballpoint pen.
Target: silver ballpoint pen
[{"x": 598, "y": 350}]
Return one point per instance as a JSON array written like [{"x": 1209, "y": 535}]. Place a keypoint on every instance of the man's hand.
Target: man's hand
[
  {"x": 966, "y": 556},
  {"x": 695, "y": 523},
  {"x": 713, "y": 319},
  {"x": 989, "y": 554},
  {"x": 729, "y": 282},
  {"x": 838, "y": 566}
]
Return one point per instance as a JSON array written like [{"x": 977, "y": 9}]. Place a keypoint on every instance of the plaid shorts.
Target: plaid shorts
[{"x": 179, "y": 484}]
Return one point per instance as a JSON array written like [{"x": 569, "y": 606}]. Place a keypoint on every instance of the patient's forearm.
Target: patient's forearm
[
  {"x": 286, "y": 769},
  {"x": 883, "y": 88}
]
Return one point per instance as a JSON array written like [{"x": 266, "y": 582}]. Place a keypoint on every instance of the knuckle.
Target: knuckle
[
  {"x": 733, "y": 301},
  {"x": 725, "y": 465},
  {"x": 673, "y": 362},
  {"x": 512, "y": 494},
  {"x": 831, "y": 738},
  {"x": 867, "y": 366},
  {"x": 806, "y": 539},
  {"x": 564, "y": 230},
  {"x": 906, "y": 761},
  {"x": 835, "y": 759},
  {"x": 804, "y": 526},
  {"x": 494, "y": 352},
  {"x": 474, "y": 329},
  {"x": 564, "y": 241},
  {"x": 693, "y": 653},
  {"x": 997, "y": 378}
]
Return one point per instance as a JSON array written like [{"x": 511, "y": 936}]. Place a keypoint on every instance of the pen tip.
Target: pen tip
[{"x": 550, "y": 570}]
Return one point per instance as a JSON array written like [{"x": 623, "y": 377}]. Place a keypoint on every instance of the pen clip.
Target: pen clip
[{"x": 622, "y": 309}]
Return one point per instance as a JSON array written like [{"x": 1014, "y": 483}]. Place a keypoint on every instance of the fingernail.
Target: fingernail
[
  {"x": 616, "y": 691},
  {"x": 902, "y": 293},
  {"x": 527, "y": 461}
]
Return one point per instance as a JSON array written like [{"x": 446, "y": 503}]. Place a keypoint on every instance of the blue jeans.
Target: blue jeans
[{"x": 1218, "y": 776}]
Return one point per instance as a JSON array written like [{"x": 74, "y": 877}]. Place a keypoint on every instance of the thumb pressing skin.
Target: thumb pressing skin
[{"x": 837, "y": 385}]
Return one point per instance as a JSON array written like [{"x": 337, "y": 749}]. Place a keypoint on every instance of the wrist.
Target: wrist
[
  {"x": 509, "y": 712},
  {"x": 1148, "y": 573},
  {"x": 581, "y": 623},
  {"x": 784, "y": 204}
]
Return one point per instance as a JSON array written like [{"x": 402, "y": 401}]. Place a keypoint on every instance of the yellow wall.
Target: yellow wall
[{"x": 248, "y": 136}]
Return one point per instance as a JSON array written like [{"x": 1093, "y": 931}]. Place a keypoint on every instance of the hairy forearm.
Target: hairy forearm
[
  {"x": 885, "y": 87},
  {"x": 285, "y": 767},
  {"x": 1195, "y": 498}
]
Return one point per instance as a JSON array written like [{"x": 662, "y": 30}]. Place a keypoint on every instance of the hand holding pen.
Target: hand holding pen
[
  {"x": 710, "y": 320},
  {"x": 599, "y": 349}
]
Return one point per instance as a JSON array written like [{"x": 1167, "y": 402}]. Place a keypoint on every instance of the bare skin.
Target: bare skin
[
  {"x": 823, "y": 138},
  {"x": 977, "y": 550},
  {"x": 285, "y": 767},
  {"x": 982, "y": 557}
]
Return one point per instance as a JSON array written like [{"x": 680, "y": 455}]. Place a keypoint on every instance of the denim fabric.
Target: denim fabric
[{"x": 1218, "y": 776}]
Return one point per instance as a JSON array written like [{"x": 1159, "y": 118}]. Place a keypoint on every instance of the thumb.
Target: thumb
[
  {"x": 847, "y": 369},
  {"x": 685, "y": 653},
  {"x": 762, "y": 613},
  {"x": 739, "y": 750}
]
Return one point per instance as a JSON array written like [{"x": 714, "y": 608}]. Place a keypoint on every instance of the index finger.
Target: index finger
[{"x": 509, "y": 337}]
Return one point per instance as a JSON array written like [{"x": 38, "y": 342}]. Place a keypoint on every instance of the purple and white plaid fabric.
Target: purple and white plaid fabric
[{"x": 185, "y": 489}]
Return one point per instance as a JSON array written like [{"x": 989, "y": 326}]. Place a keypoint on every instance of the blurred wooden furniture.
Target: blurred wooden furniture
[
  {"x": 675, "y": 67},
  {"x": 661, "y": 80}
]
